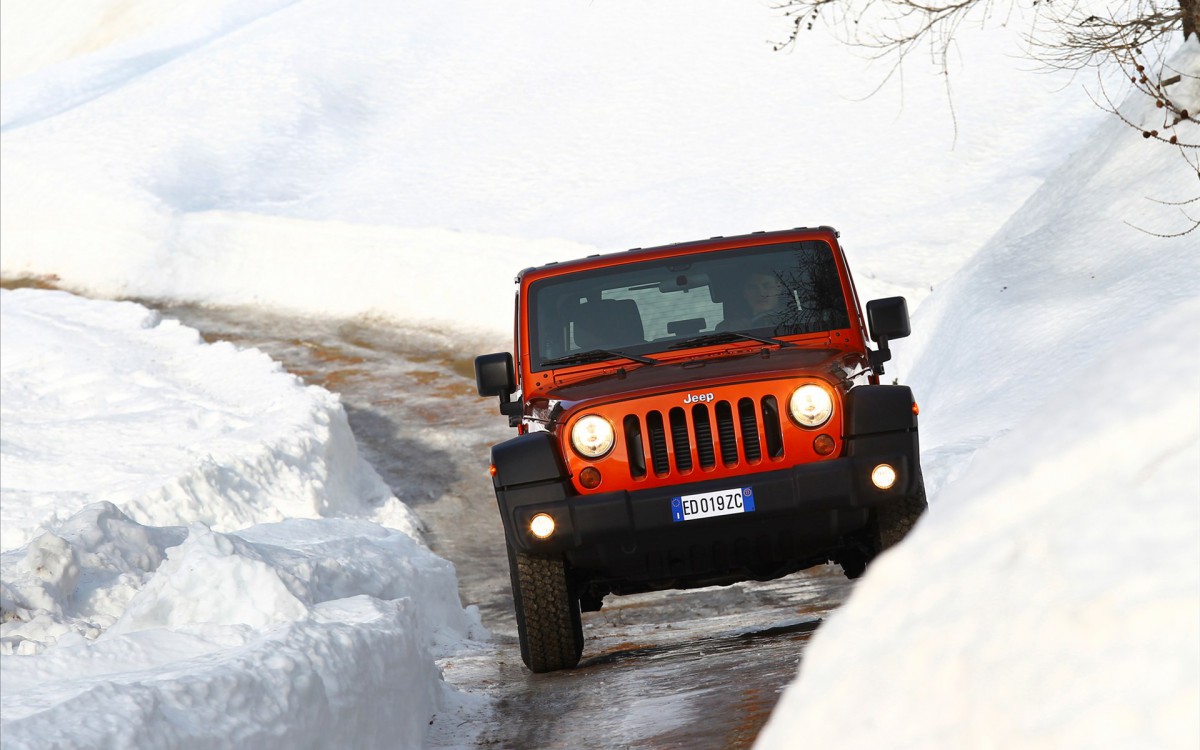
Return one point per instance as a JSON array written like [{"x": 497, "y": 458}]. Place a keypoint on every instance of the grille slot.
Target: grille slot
[
  {"x": 771, "y": 427},
  {"x": 634, "y": 446},
  {"x": 749, "y": 422},
  {"x": 680, "y": 440},
  {"x": 726, "y": 433},
  {"x": 658, "y": 443}
]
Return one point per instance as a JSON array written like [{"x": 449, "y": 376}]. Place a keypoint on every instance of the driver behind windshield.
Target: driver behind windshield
[{"x": 762, "y": 302}]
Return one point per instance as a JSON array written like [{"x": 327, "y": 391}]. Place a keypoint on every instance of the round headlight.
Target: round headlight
[
  {"x": 592, "y": 436},
  {"x": 810, "y": 405}
]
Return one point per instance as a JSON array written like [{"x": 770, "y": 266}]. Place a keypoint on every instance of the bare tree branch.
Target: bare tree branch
[
  {"x": 1126, "y": 37},
  {"x": 1189, "y": 230}
]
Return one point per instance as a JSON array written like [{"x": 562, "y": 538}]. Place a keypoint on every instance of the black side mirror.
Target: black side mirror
[
  {"x": 494, "y": 377},
  {"x": 494, "y": 374},
  {"x": 887, "y": 319}
]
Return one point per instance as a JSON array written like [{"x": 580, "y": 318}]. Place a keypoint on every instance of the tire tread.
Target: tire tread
[
  {"x": 548, "y": 619},
  {"x": 894, "y": 520}
]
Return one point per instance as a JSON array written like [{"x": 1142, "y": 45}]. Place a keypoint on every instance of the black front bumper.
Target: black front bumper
[{"x": 801, "y": 514}]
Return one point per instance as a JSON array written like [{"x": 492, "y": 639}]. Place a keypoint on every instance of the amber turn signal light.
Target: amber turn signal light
[
  {"x": 823, "y": 445},
  {"x": 590, "y": 478}
]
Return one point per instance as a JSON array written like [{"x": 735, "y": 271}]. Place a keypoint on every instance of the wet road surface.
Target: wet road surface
[{"x": 687, "y": 669}]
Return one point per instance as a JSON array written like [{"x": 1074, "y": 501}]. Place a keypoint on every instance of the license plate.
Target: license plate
[{"x": 709, "y": 504}]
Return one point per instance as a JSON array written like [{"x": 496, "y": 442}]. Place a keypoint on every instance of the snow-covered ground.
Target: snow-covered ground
[
  {"x": 298, "y": 153},
  {"x": 1051, "y": 597},
  {"x": 193, "y": 551}
]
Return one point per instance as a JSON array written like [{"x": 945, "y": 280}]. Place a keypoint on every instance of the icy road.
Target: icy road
[{"x": 695, "y": 669}]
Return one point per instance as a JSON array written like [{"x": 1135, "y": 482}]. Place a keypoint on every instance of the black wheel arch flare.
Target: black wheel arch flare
[{"x": 875, "y": 409}]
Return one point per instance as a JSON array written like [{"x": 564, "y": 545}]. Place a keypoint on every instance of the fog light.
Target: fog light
[
  {"x": 883, "y": 476},
  {"x": 541, "y": 525},
  {"x": 590, "y": 478},
  {"x": 823, "y": 445}
]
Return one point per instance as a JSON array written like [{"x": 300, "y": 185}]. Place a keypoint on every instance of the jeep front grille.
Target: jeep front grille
[{"x": 684, "y": 437}]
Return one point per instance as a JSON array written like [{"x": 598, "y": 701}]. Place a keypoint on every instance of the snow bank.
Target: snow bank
[
  {"x": 1074, "y": 270},
  {"x": 1051, "y": 597},
  {"x": 106, "y": 401},
  {"x": 346, "y": 158},
  {"x": 38, "y": 33},
  {"x": 145, "y": 598},
  {"x": 296, "y": 634}
]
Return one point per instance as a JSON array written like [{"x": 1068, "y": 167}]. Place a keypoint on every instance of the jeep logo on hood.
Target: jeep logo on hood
[{"x": 695, "y": 398}]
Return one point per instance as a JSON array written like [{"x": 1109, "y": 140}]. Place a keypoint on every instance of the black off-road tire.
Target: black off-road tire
[
  {"x": 893, "y": 521},
  {"x": 548, "y": 623}
]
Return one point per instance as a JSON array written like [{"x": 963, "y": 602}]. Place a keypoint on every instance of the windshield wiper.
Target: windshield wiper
[
  {"x": 721, "y": 337},
  {"x": 596, "y": 355}
]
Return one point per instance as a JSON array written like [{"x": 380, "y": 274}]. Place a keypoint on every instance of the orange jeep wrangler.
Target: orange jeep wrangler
[{"x": 693, "y": 415}]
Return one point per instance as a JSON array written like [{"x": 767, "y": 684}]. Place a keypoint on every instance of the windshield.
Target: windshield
[{"x": 638, "y": 308}]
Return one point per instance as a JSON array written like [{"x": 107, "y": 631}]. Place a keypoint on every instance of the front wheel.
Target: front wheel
[
  {"x": 548, "y": 623},
  {"x": 893, "y": 521},
  {"x": 889, "y": 524}
]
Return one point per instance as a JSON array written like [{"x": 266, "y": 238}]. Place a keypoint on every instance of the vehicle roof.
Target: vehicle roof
[{"x": 600, "y": 260}]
